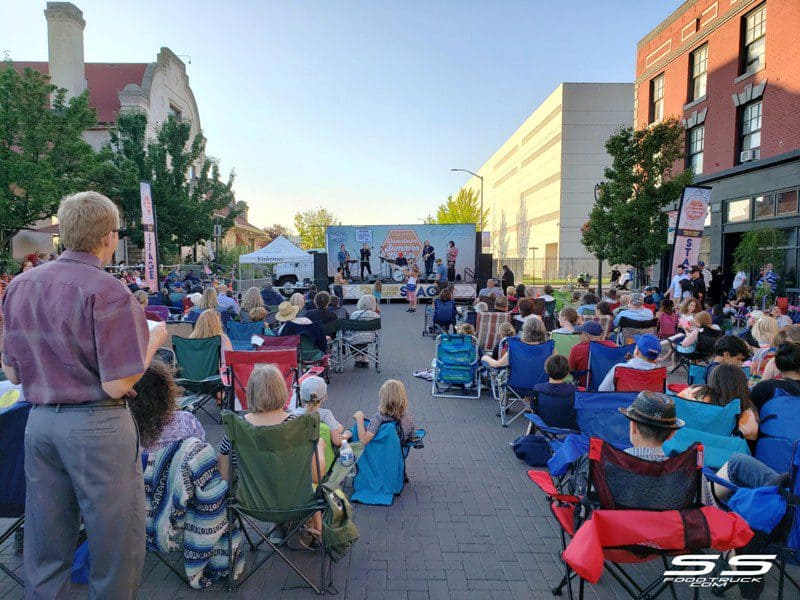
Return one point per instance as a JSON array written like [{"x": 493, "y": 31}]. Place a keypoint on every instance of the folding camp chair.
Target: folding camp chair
[
  {"x": 697, "y": 356},
  {"x": 778, "y": 430},
  {"x": 456, "y": 367},
  {"x": 486, "y": 328},
  {"x": 272, "y": 483},
  {"x": 602, "y": 358},
  {"x": 241, "y": 334},
  {"x": 629, "y": 329},
  {"x": 627, "y": 379},
  {"x": 199, "y": 369},
  {"x": 371, "y": 351},
  {"x": 162, "y": 312},
  {"x": 564, "y": 342},
  {"x": 605, "y": 321},
  {"x": 550, "y": 319},
  {"x": 554, "y": 412},
  {"x": 12, "y": 472},
  {"x": 333, "y": 330},
  {"x": 179, "y": 328},
  {"x": 240, "y": 365},
  {"x": 713, "y": 426},
  {"x": 640, "y": 511},
  {"x": 439, "y": 317},
  {"x": 525, "y": 369},
  {"x": 310, "y": 354}
]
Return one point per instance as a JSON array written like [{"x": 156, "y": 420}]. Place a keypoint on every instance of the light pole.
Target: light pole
[
  {"x": 481, "y": 178},
  {"x": 597, "y": 188}
]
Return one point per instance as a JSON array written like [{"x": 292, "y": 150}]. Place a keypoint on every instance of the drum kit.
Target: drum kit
[{"x": 390, "y": 271}]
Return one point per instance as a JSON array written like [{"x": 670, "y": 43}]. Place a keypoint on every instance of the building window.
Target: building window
[
  {"x": 738, "y": 210},
  {"x": 698, "y": 63},
  {"x": 696, "y": 144},
  {"x": 755, "y": 39},
  {"x": 787, "y": 202},
  {"x": 174, "y": 111},
  {"x": 764, "y": 207},
  {"x": 657, "y": 98},
  {"x": 750, "y": 142}
]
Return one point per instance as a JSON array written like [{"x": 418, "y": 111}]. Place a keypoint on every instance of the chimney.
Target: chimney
[{"x": 65, "y": 46}]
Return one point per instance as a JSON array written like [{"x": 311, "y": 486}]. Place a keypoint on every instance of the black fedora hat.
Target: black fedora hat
[{"x": 653, "y": 409}]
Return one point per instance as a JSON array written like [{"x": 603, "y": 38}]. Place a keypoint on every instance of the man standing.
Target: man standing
[
  {"x": 441, "y": 275},
  {"x": 769, "y": 278},
  {"x": 452, "y": 255},
  {"x": 343, "y": 256},
  {"x": 507, "y": 278},
  {"x": 428, "y": 256},
  {"x": 706, "y": 273},
  {"x": 698, "y": 284},
  {"x": 675, "y": 285},
  {"x": 77, "y": 367},
  {"x": 365, "y": 253}
]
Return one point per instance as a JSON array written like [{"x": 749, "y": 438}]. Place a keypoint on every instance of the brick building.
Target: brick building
[{"x": 730, "y": 70}]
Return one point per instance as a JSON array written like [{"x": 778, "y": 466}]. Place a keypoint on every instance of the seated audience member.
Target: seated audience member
[
  {"x": 567, "y": 320},
  {"x": 764, "y": 331},
  {"x": 336, "y": 308},
  {"x": 648, "y": 298},
  {"x": 648, "y": 347},
  {"x": 786, "y": 334},
  {"x": 557, "y": 369},
  {"x": 207, "y": 302},
  {"x": 209, "y": 325},
  {"x": 579, "y": 354},
  {"x": 702, "y": 335},
  {"x": 533, "y": 333},
  {"x": 226, "y": 302},
  {"x": 729, "y": 350},
  {"x": 313, "y": 393},
  {"x": 490, "y": 289},
  {"x": 511, "y": 296},
  {"x": 392, "y": 406},
  {"x": 270, "y": 296},
  {"x": 521, "y": 289},
  {"x": 624, "y": 304},
  {"x": 143, "y": 299},
  {"x": 156, "y": 413},
  {"x": 479, "y": 306},
  {"x": 251, "y": 299},
  {"x": 321, "y": 313},
  {"x": 787, "y": 362},
  {"x": 725, "y": 384},
  {"x": 500, "y": 304},
  {"x": 613, "y": 300},
  {"x": 525, "y": 307},
  {"x": 504, "y": 330},
  {"x": 603, "y": 309},
  {"x": 308, "y": 299},
  {"x": 588, "y": 304},
  {"x": 297, "y": 300},
  {"x": 782, "y": 319},
  {"x": 365, "y": 310},
  {"x": 547, "y": 293},
  {"x": 667, "y": 319},
  {"x": 257, "y": 314},
  {"x": 636, "y": 311},
  {"x": 465, "y": 329},
  {"x": 575, "y": 300},
  {"x": 291, "y": 324},
  {"x": 539, "y": 309},
  {"x": 687, "y": 310}
]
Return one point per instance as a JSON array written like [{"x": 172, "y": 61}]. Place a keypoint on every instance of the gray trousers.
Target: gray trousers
[{"x": 83, "y": 462}]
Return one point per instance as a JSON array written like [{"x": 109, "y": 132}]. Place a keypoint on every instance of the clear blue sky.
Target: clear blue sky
[{"x": 361, "y": 107}]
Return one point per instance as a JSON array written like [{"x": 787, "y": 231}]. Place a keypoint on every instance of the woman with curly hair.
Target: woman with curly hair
[{"x": 156, "y": 413}]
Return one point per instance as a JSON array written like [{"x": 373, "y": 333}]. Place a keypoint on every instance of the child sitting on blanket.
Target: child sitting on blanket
[
  {"x": 313, "y": 393},
  {"x": 392, "y": 406}
]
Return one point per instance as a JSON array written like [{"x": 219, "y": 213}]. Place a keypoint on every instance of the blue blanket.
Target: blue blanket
[{"x": 381, "y": 468}]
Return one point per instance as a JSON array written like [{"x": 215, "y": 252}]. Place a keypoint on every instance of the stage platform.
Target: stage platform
[{"x": 397, "y": 291}]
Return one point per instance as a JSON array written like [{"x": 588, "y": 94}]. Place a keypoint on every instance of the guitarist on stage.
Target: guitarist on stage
[
  {"x": 365, "y": 254},
  {"x": 344, "y": 260},
  {"x": 428, "y": 256}
]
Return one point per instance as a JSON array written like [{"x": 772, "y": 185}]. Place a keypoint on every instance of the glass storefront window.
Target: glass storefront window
[
  {"x": 764, "y": 207},
  {"x": 787, "y": 202},
  {"x": 738, "y": 210}
]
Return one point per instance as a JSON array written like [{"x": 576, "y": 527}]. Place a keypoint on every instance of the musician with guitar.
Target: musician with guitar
[
  {"x": 428, "y": 256},
  {"x": 344, "y": 260}
]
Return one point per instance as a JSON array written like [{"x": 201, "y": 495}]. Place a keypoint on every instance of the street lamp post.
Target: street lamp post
[
  {"x": 597, "y": 188},
  {"x": 481, "y": 178}
]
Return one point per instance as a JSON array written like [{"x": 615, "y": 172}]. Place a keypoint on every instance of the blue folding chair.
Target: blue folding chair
[
  {"x": 778, "y": 430},
  {"x": 240, "y": 334},
  {"x": 456, "y": 367},
  {"x": 12, "y": 472},
  {"x": 711, "y": 425},
  {"x": 525, "y": 370},
  {"x": 602, "y": 358}
]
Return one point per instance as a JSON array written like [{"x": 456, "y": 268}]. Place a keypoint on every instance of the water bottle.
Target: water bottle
[{"x": 346, "y": 456}]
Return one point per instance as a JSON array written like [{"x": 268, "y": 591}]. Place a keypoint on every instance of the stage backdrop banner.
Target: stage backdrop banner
[
  {"x": 397, "y": 291},
  {"x": 387, "y": 241},
  {"x": 690, "y": 223},
  {"x": 150, "y": 253}
]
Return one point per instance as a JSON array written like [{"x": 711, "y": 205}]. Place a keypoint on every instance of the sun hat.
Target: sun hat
[
  {"x": 649, "y": 345},
  {"x": 653, "y": 409},
  {"x": 313, "y": 389},
  {"x": 286, "y": 311},
  {"x": 591, "y": 328}
]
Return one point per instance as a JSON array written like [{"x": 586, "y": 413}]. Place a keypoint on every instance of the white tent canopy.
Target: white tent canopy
[{"x": 279, "y": 250}]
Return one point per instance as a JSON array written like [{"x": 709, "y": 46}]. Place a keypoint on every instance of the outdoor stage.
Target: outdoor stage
[{"x": 397, "y": 291}]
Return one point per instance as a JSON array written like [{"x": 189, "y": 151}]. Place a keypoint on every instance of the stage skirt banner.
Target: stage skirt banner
[
  {"x": 390, "y": 291},
  {"x": 690, "y": 223},
  {"x": 150, "y": 253},
  {"x": 387, "y": 242}
]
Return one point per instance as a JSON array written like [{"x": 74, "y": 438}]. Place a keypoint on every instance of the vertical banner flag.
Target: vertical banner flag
[
  {"x": 689, "y": 227},
  {"x": 150, "y": 274}
]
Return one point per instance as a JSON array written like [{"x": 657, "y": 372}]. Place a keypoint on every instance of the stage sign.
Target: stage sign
[
  {"x": 150, "y": 252},
  {"x": 390, "y": 291},
  {"x": 388, "y": 241},
  {"x": 689, "y": 228}
]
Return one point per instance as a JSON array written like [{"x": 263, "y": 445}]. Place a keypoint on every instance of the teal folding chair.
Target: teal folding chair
[{"x": 199, "y": 371}]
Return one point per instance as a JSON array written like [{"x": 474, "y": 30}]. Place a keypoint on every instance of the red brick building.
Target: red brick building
[{"x": 730, "y": 70}]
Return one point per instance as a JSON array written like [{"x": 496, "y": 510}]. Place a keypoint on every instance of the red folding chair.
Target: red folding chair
[{"x": 627, "y": 379}]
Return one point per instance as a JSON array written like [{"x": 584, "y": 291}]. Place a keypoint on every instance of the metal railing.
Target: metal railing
[{"x": 555, "y": 271}]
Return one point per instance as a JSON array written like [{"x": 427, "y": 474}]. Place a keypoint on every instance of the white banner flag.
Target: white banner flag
[{"x": 150, "y": 275}]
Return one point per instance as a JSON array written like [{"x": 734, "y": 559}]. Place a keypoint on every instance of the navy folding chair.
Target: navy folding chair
[
  {"x": 553, "y": 412},
  {"x": 602, "y": 358},
  {"x": 12, "y": 472},
  {"x": 240, "y": 334},
  {"x": 778, "y": 430},
  {"x": 525, "y": 370}
]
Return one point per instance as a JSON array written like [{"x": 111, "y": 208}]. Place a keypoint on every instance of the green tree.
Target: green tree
[
  {"x": 310, "y": 225},
  {"x": 464, "y": 208},
  {"x": 627, "y": 224},
  {"x": 42, "y": 155},
  {"x": 187, "y": 199},
  {"x": 276, "y": 230},
  {"x": 759, "y": 247}
]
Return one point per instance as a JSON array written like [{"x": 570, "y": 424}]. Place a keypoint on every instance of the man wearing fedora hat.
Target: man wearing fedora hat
[
  {"x": 652, "y": 422},
  {"x": 648, "y": 348}
]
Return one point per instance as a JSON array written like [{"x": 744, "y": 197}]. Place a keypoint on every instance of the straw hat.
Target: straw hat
[{"x": 286, "y": 312}]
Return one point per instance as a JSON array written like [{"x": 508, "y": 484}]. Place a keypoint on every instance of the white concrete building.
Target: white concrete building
[{"x": 539, "y": 185}]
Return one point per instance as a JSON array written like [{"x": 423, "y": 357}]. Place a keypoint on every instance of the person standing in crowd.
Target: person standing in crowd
[
  {"x": 364, "y": 255},
  {"x": 452, "y": 255},
  {"x": 81, "y": 446},
  {"x": 715, "y": 290},
  {"x": 706, "y": 273},
  {"x": 769, "y": 278},
  {"x": 412, "y": 277},
  {"x": 429, "y": 257},
  {"x": 739, "y": 280},
  {"x": 506, "y": 278},
  {"x": 675, "y": 285},
  {"x": 441, "y": 276},
  {"x": 698, "y": 284}
]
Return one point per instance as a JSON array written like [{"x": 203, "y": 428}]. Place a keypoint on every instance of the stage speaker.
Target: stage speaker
[
  {"x": 321, "y": 270},
  {"x": 484, "y": 271}
]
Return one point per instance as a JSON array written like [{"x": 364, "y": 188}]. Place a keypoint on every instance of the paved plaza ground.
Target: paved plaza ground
[{"x": 468, "y": 525}]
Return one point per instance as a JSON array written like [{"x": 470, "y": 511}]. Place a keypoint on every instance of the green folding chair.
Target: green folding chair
[
  {"x": 272, "y": 483},
  {"x": 199, "y": 371},
  {"x": 565, "y": 342}
]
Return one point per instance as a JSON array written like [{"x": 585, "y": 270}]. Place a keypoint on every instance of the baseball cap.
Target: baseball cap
[
  {"x": 636, "y": 299},
  {"x": 701, "y": 263},
  {"x": 649, "y": 345},
  {"x": 313, "y": 389},
  {"x": 591, "y": 328}
]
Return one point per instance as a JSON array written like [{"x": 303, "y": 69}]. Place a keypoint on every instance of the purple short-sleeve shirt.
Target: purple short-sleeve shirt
[{"x": 70, "y": 326}]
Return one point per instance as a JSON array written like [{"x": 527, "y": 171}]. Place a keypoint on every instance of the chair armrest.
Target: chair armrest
[
  {"x": 714, "y": 478},
  {"x": 537, "y": 420}
]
